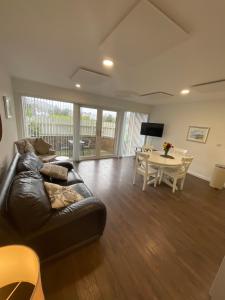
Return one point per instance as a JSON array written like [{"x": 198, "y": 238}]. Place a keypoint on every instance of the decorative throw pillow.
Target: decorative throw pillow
[
  {"x": 61, "y": 196},
  {"x": 54, "y": 171},
  {"x": 41, "y": 146},
  {"x": 28, "y": 147},
  {"x": 20, "y": 146}
]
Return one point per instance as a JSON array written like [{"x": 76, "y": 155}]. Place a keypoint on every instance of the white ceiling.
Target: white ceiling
[{"x": 49, "y": 40}]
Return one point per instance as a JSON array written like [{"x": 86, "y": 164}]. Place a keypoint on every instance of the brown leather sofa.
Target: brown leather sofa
[{"x": 26, "y": 216}]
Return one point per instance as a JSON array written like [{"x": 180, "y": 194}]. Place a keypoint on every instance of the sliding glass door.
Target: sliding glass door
[
  {"x": 98, "y": 132},
  {"x": 108, "y": 133},
  {"x": 88, "y": 132}
]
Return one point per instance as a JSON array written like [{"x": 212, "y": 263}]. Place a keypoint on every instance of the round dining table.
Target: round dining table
[{"x": 156, "y": 159}]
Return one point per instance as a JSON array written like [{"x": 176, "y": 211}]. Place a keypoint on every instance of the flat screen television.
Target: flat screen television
[{"x": 152, "y": 129}]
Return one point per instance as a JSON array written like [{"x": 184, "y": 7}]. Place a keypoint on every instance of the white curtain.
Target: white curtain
[
  {"x": 50, "y": 119},
  {"x": 131, "y": 137}
]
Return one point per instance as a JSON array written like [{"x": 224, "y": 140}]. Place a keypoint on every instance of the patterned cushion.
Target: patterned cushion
[
  {"x": 20, "y": 146},
  {"x": 61, "y": 196},
  {"x": 41, "y": 146},
  {"x": 54, "y": 171},
  {"x": 28, "y": 147}
]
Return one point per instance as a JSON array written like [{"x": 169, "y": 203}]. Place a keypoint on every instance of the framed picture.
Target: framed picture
[
  {"x": 197, "y": 134},
  {"x": 7, "y": 105}
]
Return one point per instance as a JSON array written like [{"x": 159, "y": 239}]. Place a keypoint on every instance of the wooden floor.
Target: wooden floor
[{"x": 156, "y": 245}]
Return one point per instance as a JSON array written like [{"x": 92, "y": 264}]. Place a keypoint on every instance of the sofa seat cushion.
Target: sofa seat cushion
[
  {"x": 28, "y": 204},
  {"x": 29, "y": 162},
  {"x": 72, "y": 178},
  {"x": 61, "y": 196}
]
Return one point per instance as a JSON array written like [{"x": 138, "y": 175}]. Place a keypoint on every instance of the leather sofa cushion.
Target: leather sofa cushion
[
  {"x": 29, "y": 162},
  {"x": 28, "y": 204},
  {"x": 82, "y": 189}
]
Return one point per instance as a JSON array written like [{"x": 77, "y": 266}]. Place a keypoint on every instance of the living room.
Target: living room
[{"x": 85, "y": 77}]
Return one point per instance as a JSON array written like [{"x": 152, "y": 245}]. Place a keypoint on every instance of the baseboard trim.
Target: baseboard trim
[{"x": 199, "y": 175}]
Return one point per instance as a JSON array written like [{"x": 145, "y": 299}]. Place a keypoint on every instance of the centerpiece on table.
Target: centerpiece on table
[{"x": 166, "y": 148}]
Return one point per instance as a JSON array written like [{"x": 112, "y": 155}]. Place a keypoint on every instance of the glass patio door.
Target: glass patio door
[
  {"x": 108, "y": 133},
  {"x": 88, "y": 132},
  {"x": 98, "y": 129}
]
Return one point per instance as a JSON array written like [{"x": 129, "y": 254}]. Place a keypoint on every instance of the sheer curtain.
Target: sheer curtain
[
  {"x": 50, "y": 119},
  {"x": 131, "y": 137}
]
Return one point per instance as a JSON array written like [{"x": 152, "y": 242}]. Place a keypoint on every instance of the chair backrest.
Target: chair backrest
[
  {"x": 142, "y": 160},
  {"x": 179, "y": 151},
  {"x": 147, "y": 148},
  {"x": 186, "y": 161}
]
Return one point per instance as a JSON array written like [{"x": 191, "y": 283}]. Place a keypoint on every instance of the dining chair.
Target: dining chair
[
  {"x": 175, "y": 174},
  {"x": 179, "y": 151},
  {"x": 147, "y": 148},
  {"x": 86, "y": 145},
  {"x": 144, "y": 168}
]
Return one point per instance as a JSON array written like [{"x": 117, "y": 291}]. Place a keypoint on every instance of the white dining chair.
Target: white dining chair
[
  {"x": 179, "y": 151},
  {"x": 147, "y": 148},
  {"x": 175, "y": 174},
  {"x": 144, "y": 168}
]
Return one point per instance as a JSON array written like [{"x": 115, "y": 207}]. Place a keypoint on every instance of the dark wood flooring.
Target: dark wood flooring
[{"x": 156, "y": 245}]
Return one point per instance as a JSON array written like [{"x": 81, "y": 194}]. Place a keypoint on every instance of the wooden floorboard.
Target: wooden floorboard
[{"x": 156, "y": 245}]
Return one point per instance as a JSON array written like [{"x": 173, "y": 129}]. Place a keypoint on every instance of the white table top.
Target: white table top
[{"x": 156, "y": 159}]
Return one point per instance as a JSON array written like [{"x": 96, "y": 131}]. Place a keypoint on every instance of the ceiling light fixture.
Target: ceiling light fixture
[
  {"x": 108, "y": 63},
  {"x": 77, "y": 85},
  {"x": 185, "y": 92}
]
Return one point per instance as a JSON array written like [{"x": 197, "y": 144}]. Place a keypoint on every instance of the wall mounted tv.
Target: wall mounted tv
[{"x": 152, "y": 129}]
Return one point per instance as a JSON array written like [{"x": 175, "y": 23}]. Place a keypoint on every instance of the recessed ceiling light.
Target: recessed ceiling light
[
  {"x": 108, "y": 63},
  {"x": 77, "y": 85},
  {"x": 185, "y": 92}
]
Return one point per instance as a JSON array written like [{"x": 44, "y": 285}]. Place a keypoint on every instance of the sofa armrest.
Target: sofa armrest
[
  {"x": 78, "y": 210},
  {"x": 73, "y": 212},
  {"x": 67, "y": 164},
  {"x": 51, "y": 152},
  {"x": 69, "y": 228}
]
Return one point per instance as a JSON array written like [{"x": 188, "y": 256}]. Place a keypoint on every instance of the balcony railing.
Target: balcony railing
[{"x": 60, "y": 136}]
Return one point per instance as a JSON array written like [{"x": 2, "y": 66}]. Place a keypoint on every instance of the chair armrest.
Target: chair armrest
[{"x": 67, "y": 164}]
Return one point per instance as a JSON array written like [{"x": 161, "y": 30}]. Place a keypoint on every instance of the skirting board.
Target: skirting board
[{"x": 199, "y": 175}]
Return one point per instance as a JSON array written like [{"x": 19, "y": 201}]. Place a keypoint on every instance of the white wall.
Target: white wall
[
  {"x": 9, "y": 125},
  {"x": 177, "y": 118}
]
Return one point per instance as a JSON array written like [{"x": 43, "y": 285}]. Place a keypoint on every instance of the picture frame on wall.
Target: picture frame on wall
[
  {"x": 7, "y": 106},
  {"x": 198, "y": 134}
]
